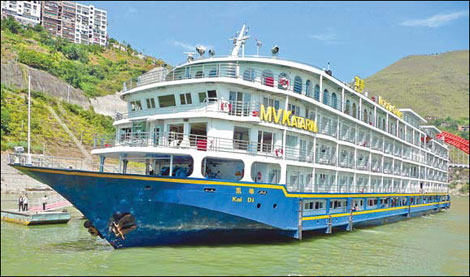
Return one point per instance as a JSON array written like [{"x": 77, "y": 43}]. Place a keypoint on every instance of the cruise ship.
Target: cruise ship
[{"x": 242, "y": 146}]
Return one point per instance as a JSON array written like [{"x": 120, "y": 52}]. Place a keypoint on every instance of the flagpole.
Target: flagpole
[{"x": 29, "y": 120}]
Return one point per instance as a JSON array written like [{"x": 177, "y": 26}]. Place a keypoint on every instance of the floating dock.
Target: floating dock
[{"x": 35, "y": 218}]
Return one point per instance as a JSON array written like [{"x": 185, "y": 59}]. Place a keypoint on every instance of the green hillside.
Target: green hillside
[
  {"x": 432, "y": 85},
  {"x": 94, "y": 69},
  {"x": 45, "y": 130}
]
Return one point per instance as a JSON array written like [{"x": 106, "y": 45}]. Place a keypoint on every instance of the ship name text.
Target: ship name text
[{"x": 283, "y": 117}]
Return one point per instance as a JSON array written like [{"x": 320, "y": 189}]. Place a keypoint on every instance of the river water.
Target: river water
[{"x": 436, "y": 244}]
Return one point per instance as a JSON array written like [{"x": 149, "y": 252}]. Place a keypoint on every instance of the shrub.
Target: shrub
[
  {"x": 12, "y": 25},
  {"x": 38, "y": 28}
]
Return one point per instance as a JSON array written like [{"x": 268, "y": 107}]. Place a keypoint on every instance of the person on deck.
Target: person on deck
[
  {"x": 44, "y": 202},
  {"x": 25, "y": 202},
  {"x": 20, "y": 203}
]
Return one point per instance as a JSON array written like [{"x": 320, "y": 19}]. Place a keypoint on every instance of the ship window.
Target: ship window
[
  {"x": 150, "y": 103},
  {"x": 298, "y": 84},
  {"x": 269, "y": 102},
  {"x": 199, "y": 74},
  {"x": 139, "y": 127},
  {"x": 213, "y": 73},
  {"x": 354, "y": 110},
  {"x": 365, "y": 115},
  {"x": 294, "y": 109},
  {"x": 265, "y": 141},
  {"x": 136, "y": 105},
  {"x": 326, "y": 95},
  {"x": 249, "y": 74},
  {"x": 221, "y": 168},
  {"x": 268, "y": 79},
  {"x": 265, "y": 172},
  {"x": 212, "y": 95},
  {"x": 241, "y": 138},
  {"x": 283, "y": 82},
  {"x": 202, "y": 97},
  {"x": 185, "y": 98},
  {"x": 317, "y": 92},
  {"x": 347, "y": 109},
  {"x": 308, "y": 88},
  {"x": 167, "y": 101},
  {"x": 334, "y": 100}
]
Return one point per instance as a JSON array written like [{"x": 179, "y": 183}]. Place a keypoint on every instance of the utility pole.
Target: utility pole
[{"x": 29, "y": 120}]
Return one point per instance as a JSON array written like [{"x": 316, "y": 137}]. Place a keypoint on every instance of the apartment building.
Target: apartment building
[
  {"x": 25, "y": 12},
  {"x": 73, "y": 21}
]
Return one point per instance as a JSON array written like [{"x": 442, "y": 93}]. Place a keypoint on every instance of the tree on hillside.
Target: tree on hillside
[
  {"x": 38, "y": 28},
  {"x": 12, "y": 25}
]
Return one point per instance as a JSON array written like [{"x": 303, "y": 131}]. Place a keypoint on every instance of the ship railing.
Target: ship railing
[
  {"x": 230, "y": 107},
  {"x": 328, "y": 126},
  {"x": 376, "y": 168},
  {"x": 205, "y": 143},
  {"x": 346, "y": 161},
  {"x": 228, "y": 70},
  {"x": 151, "y": 77},
  {"x": 46, "y": 161},
  {"x": 377, "y": 143},
  {"x": 190, "y": 141},
  {"x": 57, "y": 162}
]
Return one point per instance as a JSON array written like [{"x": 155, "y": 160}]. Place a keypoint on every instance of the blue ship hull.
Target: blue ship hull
[{"x": 169, "y": 210}]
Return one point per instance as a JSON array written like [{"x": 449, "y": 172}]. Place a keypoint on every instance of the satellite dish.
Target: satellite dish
[
  {"x": 275, "y": 50},
  {"x": 212, "y": 52},
  {"x": 201, "y": 49}
]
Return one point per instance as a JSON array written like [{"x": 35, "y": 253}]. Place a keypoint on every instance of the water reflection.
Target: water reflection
[{"x": 430, "y": 245}]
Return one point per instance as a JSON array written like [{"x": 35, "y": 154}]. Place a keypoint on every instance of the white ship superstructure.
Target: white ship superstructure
[{"x": 270, "y": 120}]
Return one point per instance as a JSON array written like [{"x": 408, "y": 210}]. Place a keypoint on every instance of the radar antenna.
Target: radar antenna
[{"x": 240, "y": 41}]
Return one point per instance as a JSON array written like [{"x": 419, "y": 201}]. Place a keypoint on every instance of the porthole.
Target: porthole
[
  {"x": 209, "y": 189},
  {"x": 147, "y": 187},
  {"x": 274, "y": 206},
  {"x": 258, "y": 205}
]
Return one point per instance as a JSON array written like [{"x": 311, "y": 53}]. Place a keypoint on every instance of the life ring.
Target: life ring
[
  {"x": 284, "y": 82},
  {"x": 279, "y": 152},
  {"x": 225, "y": 106},
  {"x": 259, "y": 176}
]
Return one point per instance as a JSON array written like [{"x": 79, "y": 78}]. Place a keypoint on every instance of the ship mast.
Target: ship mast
[{"x": 240, "y": 41}]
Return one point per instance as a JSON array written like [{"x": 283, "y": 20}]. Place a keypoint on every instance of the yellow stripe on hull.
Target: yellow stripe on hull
[
  {"x": 370, "y": 211},
  {"x": 204, "y": 182}
]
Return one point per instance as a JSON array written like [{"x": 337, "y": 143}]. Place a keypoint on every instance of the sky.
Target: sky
[{"x": 357, "y": 38}]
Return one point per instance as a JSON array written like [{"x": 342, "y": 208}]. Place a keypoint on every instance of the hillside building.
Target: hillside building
[
  {"x": 75, "y": 22},
  {"x": 25, "y": 12}
]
